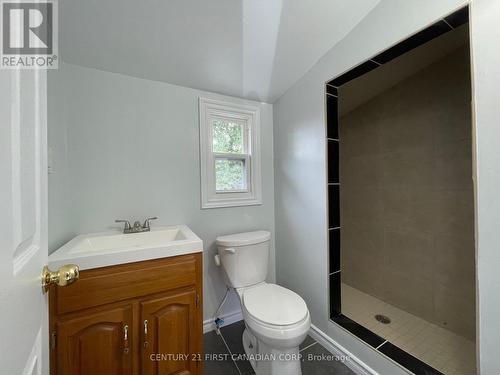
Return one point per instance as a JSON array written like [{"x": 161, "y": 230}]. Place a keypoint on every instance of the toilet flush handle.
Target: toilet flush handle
[{"x": 217, "y": 258}]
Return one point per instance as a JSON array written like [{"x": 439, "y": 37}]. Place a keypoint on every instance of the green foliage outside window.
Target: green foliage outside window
[
  {"x": 229, "y": 174},
  {"x": 228, "y": 138}
]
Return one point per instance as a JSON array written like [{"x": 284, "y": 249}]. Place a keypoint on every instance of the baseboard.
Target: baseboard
[
  {"x": 354, "y": 363},
  {"x": 229, "y": 318}
]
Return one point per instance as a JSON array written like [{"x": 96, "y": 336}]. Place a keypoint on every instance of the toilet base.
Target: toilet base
[{"x": 270, "y": 361}]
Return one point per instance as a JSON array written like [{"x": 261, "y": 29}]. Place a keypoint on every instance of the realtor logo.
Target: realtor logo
[{"x": 29, "y": 34}]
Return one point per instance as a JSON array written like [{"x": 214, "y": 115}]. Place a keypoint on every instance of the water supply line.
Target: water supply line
[{"x": 218, "y": 321}]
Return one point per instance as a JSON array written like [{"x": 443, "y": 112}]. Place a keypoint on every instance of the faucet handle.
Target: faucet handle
[
  {"x": 146, "y": 222},
  {"x": 127, "y": 223}
]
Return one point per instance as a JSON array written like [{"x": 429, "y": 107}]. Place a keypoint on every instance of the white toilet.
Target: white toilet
[{"x": 277, "y": 320}]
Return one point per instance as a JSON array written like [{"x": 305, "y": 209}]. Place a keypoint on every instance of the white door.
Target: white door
[{"x": 23, "y": 222}]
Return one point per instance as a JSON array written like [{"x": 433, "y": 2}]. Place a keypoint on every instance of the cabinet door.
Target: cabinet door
[
  {"x": 96, "y": 343},
  {"x": 170, "y": 334}
]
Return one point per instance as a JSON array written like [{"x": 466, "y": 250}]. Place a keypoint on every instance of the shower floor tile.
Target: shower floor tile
[{"x": 442, "y": 349}]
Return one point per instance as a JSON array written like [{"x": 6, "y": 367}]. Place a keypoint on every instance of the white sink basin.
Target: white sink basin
[
  {"x": 106, "y": 242},
  {"x": 110, "y": 248}
]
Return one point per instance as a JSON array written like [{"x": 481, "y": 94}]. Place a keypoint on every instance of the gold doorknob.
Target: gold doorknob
[{"x": 65, "y": 275}]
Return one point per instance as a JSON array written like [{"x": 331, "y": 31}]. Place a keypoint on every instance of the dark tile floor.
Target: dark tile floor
[{"x": 218, "y": 350}]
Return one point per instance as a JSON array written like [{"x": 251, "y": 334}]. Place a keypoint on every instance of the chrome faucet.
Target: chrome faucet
[{"x": 137, "y": 227}]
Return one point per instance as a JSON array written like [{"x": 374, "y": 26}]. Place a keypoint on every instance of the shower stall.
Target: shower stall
[{"x": 401, "y": 201}]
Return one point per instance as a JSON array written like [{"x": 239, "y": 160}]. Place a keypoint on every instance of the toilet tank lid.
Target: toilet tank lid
[{"x": 243, "y": 239}]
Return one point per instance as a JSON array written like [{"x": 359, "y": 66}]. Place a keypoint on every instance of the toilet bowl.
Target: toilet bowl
[{"x": 277, "y": 319}]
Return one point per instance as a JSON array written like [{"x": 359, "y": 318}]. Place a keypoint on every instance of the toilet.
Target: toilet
[{"x": 276, "y": 319}]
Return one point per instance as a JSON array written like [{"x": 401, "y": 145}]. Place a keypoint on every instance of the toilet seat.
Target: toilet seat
[
  {"x": 273, "y": 305},
  {"x": 275, "y": 315}
]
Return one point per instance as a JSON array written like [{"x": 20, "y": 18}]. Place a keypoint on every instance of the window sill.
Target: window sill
[{"x": 222, "y": 203}]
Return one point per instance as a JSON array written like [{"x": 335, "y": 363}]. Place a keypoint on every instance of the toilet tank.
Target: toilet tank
[{"x": 244, "y": 257}]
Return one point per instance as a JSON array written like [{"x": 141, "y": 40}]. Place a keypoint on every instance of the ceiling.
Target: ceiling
[{"x": 255, "y": 49}]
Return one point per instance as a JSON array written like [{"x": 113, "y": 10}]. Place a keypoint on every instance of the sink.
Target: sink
[
  {"x": 113, "y": 247},
  {"x": 121, "y": 242}
]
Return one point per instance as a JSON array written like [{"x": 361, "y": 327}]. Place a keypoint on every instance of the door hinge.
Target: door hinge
[
  {"x": 53, "y": 340},
  {"x": 197, "y": 300}
]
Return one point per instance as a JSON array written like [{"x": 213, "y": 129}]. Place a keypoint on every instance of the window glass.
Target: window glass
[
  {"x": 230, "y": 174},
  {"x": 230, "y": 159},
  {"x": 227, "y": 137}
]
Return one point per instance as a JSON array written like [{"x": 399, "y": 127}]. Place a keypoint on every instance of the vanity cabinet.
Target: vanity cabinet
[
  {"x": 141, "y": 318},
  {"x": 96, "y": 343},
  {"x": 168, "y": 327}
]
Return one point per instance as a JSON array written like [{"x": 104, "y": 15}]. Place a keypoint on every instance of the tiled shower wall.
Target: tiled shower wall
[{"x": 407, "y": 200}]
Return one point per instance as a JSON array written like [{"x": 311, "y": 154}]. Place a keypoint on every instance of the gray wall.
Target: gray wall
[
  {"x": 300, "y": 174},
  {"x": 128, "y": 148},
  {"x": 407, "y": 203}
]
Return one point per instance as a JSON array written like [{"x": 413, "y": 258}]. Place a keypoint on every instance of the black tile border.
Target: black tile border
[
  {"x": 406, "y": 360},
  {"x": 354, "y": 73},
  {"x": 413, "y": 42},
  {"x": 330, "y": 90},
  {"x": 332, "y": 117},
  {"x": 458, "y": 18},
  {"x": 333, "y": 165},
  {"x": 335, "y": 297},
  {"x": 359, "y": 331},
  {"x": 333, "y": 206},
  {"x": 334, "y": 241}
]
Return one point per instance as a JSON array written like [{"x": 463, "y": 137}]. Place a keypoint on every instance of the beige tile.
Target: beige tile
[
  {"x": 361, "y": 261},
  {"x": 361, "y": 204},
  {"x": 359, "y": 133},
  {"x": 408, "y": 208},
  {"x": 411, "y": 252},
  {"x": 360, "y": 171},
  {"x": 407, "y": 292},
  {"x": 408, "y": 169},
  {"x": 453, "y": 165},
  {"x": 455, "y": 310},
  {"x": 452, "y": 125},
  {"x": 453, "y": 211},
  {"x": 441, "y": 348},
  {"x": 405, "y": 124},
  {"x": 455, "y": 261}
]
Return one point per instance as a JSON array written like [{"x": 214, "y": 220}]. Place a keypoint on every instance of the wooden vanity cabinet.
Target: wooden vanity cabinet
[
  {"x": 96, "y": 343},
  {"x": 138, "y": 318},
  {"x": 169, "y": 329}
]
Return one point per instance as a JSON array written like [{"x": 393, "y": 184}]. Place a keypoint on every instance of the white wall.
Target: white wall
[
  {"x": 300, "y": 175},
  {"x": 128, "y": 148},
  {"x": 485, "y": 35}
]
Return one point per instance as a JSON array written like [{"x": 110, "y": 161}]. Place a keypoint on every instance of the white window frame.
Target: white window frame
[{"x": 249, "y": 117}]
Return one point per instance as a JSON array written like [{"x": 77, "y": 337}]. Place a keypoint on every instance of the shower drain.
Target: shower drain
[{"x": 382, "y": 319}]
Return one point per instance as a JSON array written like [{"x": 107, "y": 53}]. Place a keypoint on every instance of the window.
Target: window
[{"x": 230, "y": 154}]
